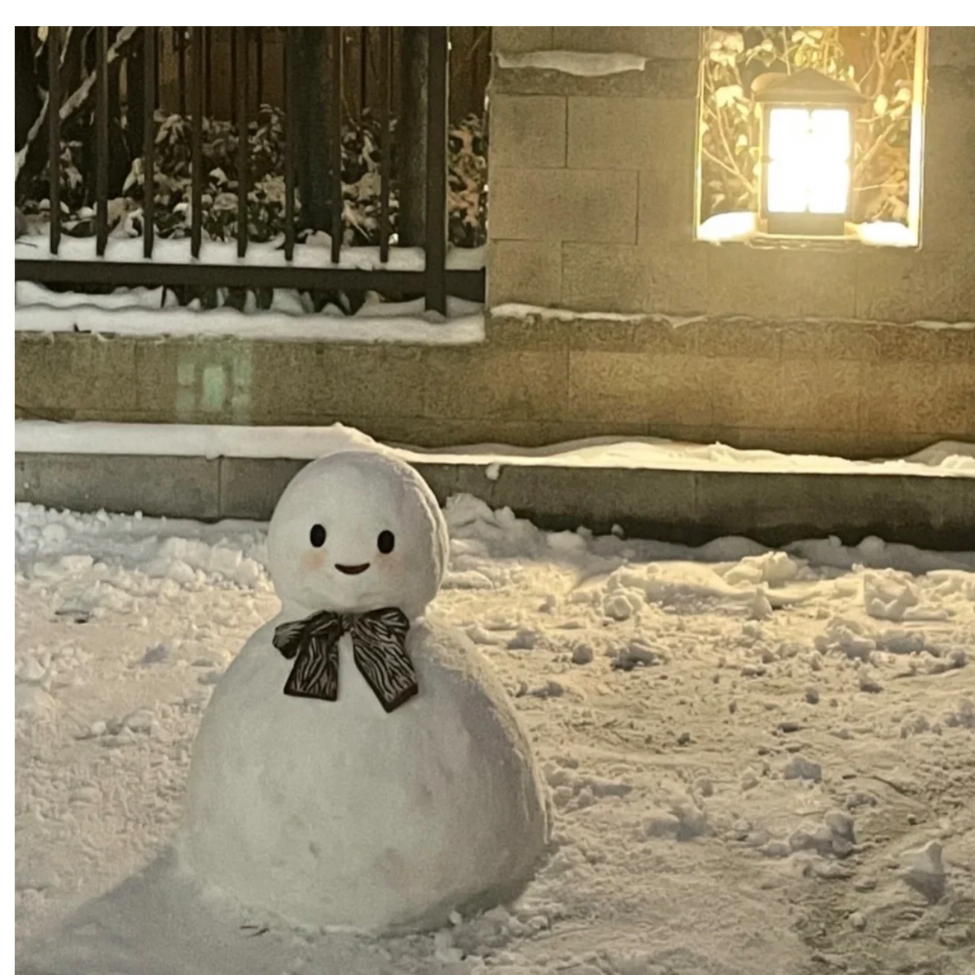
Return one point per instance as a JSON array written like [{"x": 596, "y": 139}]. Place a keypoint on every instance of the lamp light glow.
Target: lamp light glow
[{"x": 807, "y": 163}]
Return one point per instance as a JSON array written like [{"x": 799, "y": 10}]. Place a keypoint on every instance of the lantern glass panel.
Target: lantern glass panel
[{"x": 808, "y": 167}]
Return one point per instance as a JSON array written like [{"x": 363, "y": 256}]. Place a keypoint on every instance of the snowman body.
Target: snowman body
[{"x": 335, "y": 813}]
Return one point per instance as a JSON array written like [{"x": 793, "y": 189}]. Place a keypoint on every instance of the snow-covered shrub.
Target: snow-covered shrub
[
  {"x": 172, "y": 182},
  {"x": 467, "y": 153}
]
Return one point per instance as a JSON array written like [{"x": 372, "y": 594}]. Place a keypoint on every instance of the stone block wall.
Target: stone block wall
[
  {"x": 592, "y": 195},
  {"x": 591, "y": 211},
  {"x": 849, "y": 388}
]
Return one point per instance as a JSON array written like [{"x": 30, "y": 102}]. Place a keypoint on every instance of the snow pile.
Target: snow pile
[
  {"x": 68, "y": 545},
  {"x": 693, "y": 749},
  {"x": 945, "y": 453}
]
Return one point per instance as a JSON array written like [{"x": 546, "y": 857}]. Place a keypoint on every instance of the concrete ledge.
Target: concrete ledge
[
  {"x": 250, "y": 487},
  {"x": 681, "y": 506},
  {"x": 182, "y": 487}
]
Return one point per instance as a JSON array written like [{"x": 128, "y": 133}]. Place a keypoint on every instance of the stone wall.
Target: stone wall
[
  {"x": 591, "y": 204},
  {"x": 849, "y": 388},
  {"x": 592, "y": 195}
]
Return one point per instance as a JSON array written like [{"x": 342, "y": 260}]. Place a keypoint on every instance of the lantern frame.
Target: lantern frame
[{"x": 810, "y": 90}]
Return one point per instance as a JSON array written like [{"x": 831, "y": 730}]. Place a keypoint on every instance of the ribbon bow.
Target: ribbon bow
[{"x": 378, "y": 646}]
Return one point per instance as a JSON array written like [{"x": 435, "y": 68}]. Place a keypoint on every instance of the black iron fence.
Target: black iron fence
[
  {"x": 312, "y": 161},
  {"x": 363, "y": 58}
]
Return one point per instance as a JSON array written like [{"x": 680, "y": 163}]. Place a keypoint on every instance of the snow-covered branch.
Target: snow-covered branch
[
  {"x": 77, "y": 98},
  {"x": 21, "y": 154}
]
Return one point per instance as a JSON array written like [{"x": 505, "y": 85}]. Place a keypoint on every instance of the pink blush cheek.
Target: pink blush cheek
[
  {"x": 391, "y": 565},
  {"x": 313, "y": 561}
]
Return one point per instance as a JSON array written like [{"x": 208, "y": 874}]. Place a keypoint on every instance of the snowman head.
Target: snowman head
[{"x": 355, "y": 531}]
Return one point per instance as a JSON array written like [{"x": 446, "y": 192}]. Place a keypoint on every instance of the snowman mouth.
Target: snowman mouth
[{"x": 352, "y": 570}]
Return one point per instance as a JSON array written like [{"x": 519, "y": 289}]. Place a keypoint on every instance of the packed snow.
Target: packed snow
[
  {"x": 943, "y": 459},
  {"x": 760, "y": 761}
]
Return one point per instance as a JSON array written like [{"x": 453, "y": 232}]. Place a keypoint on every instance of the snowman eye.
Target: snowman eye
[
  {"x": 386, "y": 542},
  {"x": 317, "y": 536}
]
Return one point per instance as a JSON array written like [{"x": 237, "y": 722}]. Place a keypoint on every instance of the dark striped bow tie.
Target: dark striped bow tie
[{"x": 378, "y": 647}]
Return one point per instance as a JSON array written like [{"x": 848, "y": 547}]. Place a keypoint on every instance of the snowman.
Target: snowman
[{"x": 358, "y": 766}]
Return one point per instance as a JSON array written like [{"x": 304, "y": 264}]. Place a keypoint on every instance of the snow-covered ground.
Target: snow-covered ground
[{"x": 761, "y": 762}]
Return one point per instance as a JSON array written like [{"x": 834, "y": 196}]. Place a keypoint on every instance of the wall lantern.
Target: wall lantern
[{"x": 806, "y": 173}]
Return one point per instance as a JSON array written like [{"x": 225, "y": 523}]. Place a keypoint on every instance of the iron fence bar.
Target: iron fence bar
[
  {"x": 435, "y": 281},
  {"x": 464, "y": 283},
  {"x": 363, "y": 67},
  {"x": 335, "y": 95},
  {"x": 149, "y": 141},
  {"x": 208, "y": 71},
  {"x": 436, "y": 196},
  {"x": 289, "y": 143},
  {"x": 101, "y": 142},
  {"x": 242, "y": 140},
  {"x": 196, "y": 191},
  {"x": 233, "y": 63},
  {"x": 54, "y": 132},
  {"x": 259, "y": 68},
  {"x": 385, "y": 88},
  {"x": 157, "y": 52},
  {"x": 179, "y": 42}
]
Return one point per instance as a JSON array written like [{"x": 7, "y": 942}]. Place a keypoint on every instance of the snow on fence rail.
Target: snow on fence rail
[{"x": 434, "y": 276}]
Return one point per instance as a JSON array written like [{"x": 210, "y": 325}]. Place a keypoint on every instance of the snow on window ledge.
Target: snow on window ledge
[
  {"x": 740, "y": 226},
  {"x": 728, "y": 227},
  {"x": 886, "y": 233},
  {"x": 573, "y": 62}
]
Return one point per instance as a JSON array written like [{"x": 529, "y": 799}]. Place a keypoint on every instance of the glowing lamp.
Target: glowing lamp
[{"x": 806, "y": 173}]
